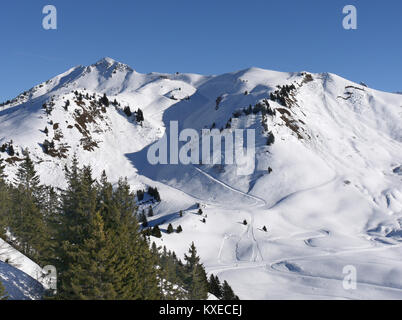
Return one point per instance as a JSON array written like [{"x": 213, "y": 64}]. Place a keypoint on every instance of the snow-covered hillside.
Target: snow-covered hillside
[
  {"x": 328, "y": 190},
  {"x": 23, "y": 279}
]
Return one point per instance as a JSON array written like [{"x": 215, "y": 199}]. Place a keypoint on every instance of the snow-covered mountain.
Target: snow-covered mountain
[{"x": 328, "y": 190}]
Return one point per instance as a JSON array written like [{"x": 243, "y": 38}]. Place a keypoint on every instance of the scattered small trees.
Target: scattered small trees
[
  {"x": 179, "y": 229},
  {"x": 153, "y": 192},
  {"x": 282, "y": 94}
]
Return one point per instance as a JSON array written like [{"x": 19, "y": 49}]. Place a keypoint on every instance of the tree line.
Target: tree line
[{"x": 90, "y": 231}]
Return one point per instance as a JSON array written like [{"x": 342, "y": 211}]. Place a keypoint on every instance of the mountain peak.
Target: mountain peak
[{"x": 108, "y": 62}]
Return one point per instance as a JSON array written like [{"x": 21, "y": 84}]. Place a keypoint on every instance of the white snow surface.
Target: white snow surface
[
  {"x": 333, "y": 199},
  {"x": 21, "y": 277}
]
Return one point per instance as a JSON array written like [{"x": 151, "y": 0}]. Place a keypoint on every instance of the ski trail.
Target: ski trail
[
  {"x": 358, "y": 283},
  {"x": 256, "y": 251},
  {"x": 303, "y": 275},
  {"x": 257, "y": 199},
  {"x": 221, "y": 248},
  {"x": 359, "y": 250},
  {"x": 302, "y": 191},
  {"x": 256, "y": 248},
  {"x": 271, "y": 267},
  {"x": 256, "y": 254}
]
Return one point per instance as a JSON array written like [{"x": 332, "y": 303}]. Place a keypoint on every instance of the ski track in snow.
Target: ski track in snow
[
  {"x": 257, "y": 199},
  {"x": 249, "y": 233},
  {"x": 271, "y": 266}
]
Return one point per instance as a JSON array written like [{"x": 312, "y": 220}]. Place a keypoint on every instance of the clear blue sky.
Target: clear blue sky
[{"x": 208, "y": 37}]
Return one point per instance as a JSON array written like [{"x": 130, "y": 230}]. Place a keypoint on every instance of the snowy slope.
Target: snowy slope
[
  {"x": 333, "y": 198},
  {"x": 21, "y": 277}
]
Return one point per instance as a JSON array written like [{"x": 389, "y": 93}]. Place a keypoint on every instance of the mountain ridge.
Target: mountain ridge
[{"x": 326, "y": 185}]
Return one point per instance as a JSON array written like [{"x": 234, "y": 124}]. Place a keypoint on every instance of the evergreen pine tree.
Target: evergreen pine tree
[
  {"x": 198, "y": 286},
  {"x": 192, "y": 259},
  {"x": 51, "y": 214},
  {"x": 139, "y": 116},
  {"x": 156, "y": 232},
  {"x": 104, "y": 100},
  {"x": 143, "y": 219},
  {"x": 27, "y": 177},
  {"x": 170, "y": 228},
  {"x": 150, "y": 212},
  {"x": 103, "y": 255},
  {"x": 10, "y": 150},
  {"x": 78, "y": 208},
  {"x": 4, "y": 201},
  {"x": 215, "y": 286},
  {"x": 153, "y": 192},
  {"x": 179, "y": 229},
  {"x": 28, "y": 226},
  {"x": 127, "y": 111},
  {"x": 196, "y": 282},
  {"x": 140, "y": 195},
  {"x": 227, "y": 292},
  {"x": 138, "y": 265},
  {"x": 93, "y": 267}
]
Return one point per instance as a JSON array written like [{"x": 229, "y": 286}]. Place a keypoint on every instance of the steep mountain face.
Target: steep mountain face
[{"x": 326, "y": 180}]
